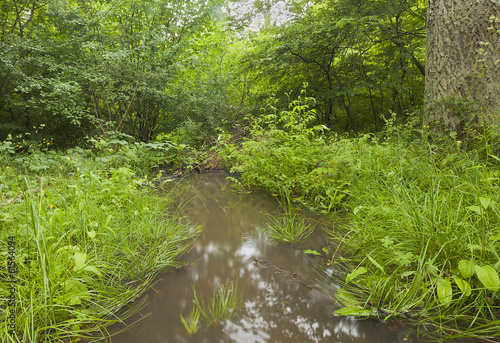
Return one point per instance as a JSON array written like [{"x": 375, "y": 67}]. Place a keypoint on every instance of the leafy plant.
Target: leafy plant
[
  {"x": 90, "y": 238},
  {"x": 288, "y": 153}
]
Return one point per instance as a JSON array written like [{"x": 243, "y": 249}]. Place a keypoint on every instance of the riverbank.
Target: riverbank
[
  {"x": 420, "y": 239},
  {"x": 88, "y": 238}
]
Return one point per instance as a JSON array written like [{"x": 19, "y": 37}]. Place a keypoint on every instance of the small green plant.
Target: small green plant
[
  {"x": 191, "y": 324},
  {"x": 290, "y": 227},
  {"x": 220, "y": 306}
]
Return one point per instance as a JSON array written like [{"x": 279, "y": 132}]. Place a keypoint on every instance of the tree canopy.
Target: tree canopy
[{"x": 73, "y": 69}]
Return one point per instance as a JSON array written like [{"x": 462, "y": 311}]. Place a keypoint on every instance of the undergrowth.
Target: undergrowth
[
  {"x": 421, "y": 214},
  {"x": 89, "y": 237},
  {"x": 422, "y": 240}
]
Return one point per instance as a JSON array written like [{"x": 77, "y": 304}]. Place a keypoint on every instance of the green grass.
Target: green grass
[
  {"x": 289, "y": 227},
  {"x": 191, "y": 324},
  {"x": 90, "y": 238},
  {"x": 422, "y": 237},
  {"x": 419, "y": 235},
  {"x": 220, "y": 306}
]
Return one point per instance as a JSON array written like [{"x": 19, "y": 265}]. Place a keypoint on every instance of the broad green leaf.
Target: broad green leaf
[
  {"x": 352, "y": 311},
  {"x": 488, "y": 277},
  {"x": 311, "y": 252},
  {"x": 74, "y": 292},
  {"x": 92, "y": 269},
  {"x": 495, "y": 238},
  {"x": 409, "y": 273},
  {"x": 80, "y": 258},
  {"x": 476, "y": 209},
  {"x": 91, "y": 234},
  {"x": 444, "y": 291},
  {"x": 466, "y": 268},
  {"x": 485, "y": 202},
  {"x": 464, "y": 286},
  {"x": 386, "y": 241},
  {"x": 355, "y": 273},
  {"x": 376, "y": 264}
]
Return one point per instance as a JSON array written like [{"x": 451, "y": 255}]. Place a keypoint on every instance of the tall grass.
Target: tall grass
[
  {"x": 289, "y": 227},
  {"x": 221, "y": 305},
  {"x": 422, "y": 236},
  {"x": 89, "y": 240}
]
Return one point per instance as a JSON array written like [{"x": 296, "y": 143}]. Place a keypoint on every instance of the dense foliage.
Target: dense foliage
[
  {"x": 97, "y": 94},
  {"x": 89, "y": 235},
  {"x": 419, "y": 238}
]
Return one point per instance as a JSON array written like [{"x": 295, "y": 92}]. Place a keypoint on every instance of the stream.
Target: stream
[{"x": 276, "y": 281}]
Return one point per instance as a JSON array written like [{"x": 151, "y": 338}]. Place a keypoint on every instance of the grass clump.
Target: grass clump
[
  {"x": 90, "y": 238},
  {"x": 191, "y": 324},
  {"x": 290, "y": 227},
  {"x": 221, "y": 306}
]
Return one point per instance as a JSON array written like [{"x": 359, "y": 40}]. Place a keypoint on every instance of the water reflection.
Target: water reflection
[{"x": 276, "y": 308}]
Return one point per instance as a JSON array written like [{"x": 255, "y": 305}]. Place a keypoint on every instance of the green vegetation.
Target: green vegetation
[
  {"x": 90, "y": 236},
  {"x": 97, "y": 96},
  {"x": 420, "y": 234},
  {"x": 287, "y": 153},
  {"x": 220, "y": 306},
  {"x": 289, "y": 227},
  {"x": 191, "y": 324}
]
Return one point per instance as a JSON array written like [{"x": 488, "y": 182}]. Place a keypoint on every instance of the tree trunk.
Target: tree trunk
[{"x": 463, "y": 61}]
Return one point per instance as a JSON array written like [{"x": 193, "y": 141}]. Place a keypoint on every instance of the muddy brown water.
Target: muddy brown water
[{"x": 275, "y": 306}]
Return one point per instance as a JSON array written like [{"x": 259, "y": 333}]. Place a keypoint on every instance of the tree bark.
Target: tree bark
[{"x": 462, "y": 62}]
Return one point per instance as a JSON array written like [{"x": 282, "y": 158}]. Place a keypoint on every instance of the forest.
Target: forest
[{"x": 383, "y": 115}]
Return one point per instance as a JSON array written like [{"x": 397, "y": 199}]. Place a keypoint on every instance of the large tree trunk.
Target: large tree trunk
[{"x": 463, "y": 61}]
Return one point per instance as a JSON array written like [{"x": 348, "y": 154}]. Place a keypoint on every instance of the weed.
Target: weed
[
  {"x": 290, "y": 227},
  {"x": 220, "y": 306},
  {"x": 191, "y": 324}
]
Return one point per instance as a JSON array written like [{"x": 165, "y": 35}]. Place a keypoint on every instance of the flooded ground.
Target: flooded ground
[{"x": 273, "y": 278}]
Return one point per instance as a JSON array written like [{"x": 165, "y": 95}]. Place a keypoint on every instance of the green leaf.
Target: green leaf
[
  {"x": 485, "y": 202},
  {"x": 346, "y": 298},
  {"x": 495, "y": 238},
  {"x": 352, "y": 311},
  {"x": 488, "y": 277},
  {"x": 376, "y": 264},
  {"x": 92, "y": 269},
  {"x": 476, "y": 209},
  {"x": 406, "y": 274},
  {"x": 386, "y": 241},
  {"x": 74, "y": 292},
  {"x": 91, "y": 234},
  {"x": 466, "y": 268},
  {"x": 311, "y": 252},
  {"x": 80, "y": 258},
  {"x": 355, "y": 273},
  {"x": 444, "y": 291},
  {"x": 464, "y": 286}
]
